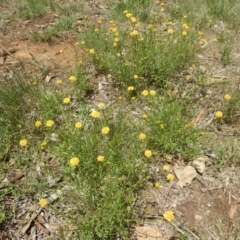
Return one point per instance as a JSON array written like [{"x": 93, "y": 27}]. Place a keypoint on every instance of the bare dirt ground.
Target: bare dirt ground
[{"x": 209, "y": 208}]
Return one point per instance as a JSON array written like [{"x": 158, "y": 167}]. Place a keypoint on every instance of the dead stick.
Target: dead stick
[
  {"x": 4, "y": 53},
  {"x": 39, "y": 225}
]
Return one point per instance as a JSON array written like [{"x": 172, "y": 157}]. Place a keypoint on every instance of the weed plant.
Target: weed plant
[
  {"x": 140, "y": 53},
  {"x": 31, "y": 8}
]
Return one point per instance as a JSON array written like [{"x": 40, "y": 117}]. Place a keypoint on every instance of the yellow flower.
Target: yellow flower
[
  {"x": 128, "y": 208},
  {"x": 72, "y": 79},
  {"x": 105, "y": 130},
  {"x": 157, "y": 185},
  {"x": 92, "y": 51},
  {"x": 144, "y": 116},
  {"x": 114, "y": 30},
  {"x": 169, "y": 216},
  {"x": 148, "y": 153},
  {"x": 133, "y": 19},
  {"x": 66, "y": 100},
  {"x": 74, "y": 161},
  {"x": 128, "y": 15},
  {"x": 134, "y": 33},
  {"x": 162, "y": 10},
  {"x": 38, "y": 124},
  {"x": 125, "y": 11},
  {"x": 61, "y": 51},
  {"x": 218, "y": 114},
  {"x": 95, "y": 114},
  {"x": 135, "y": 76},
  {"x": 109, "y": 75},
  {"x": 145, "y": 93},
  {"x": 23, "y": 142},
  {"x": 130, "y": 88},
  {"x": 142, "y": 136},
  {"x": 43, "y": 144},
  {"x": 162, "y": 126},
  {"x": 119, "y": 54},
  {"x": 166, "y": 167},
  {"x": 170, "y": 31},
  {"x": 116, "y": 39},
  {"x": 83, "y": 42},
  {"x": 170, "y": 177},
  {"x": 184, "y": 33},
  {"x": 78, "y": 125},
  {"x": 152, "y": 92},
  {"x": 49, "y": 123},
  {"x": 227, "y": 97},
  {"x": 58, "y": 81},
  {"x": 43, "y": 202},
  {"x": 101, "y": 105},
  {"x": 100, "y": 158},
  {"x": 185, "y": 26}
]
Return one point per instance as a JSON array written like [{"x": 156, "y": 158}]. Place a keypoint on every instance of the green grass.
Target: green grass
[
  {"x": 153, "y": 54},
  {"x": 148, "y": 59},
  {"x": 226, "y": 11},
  {"x": 62, "y": 25},
  {"x": 31, "y": 8}
]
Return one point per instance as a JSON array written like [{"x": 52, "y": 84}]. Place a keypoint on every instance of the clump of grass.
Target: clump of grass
[
  {"x": 188, "y": 11},
  {"x": 110, "y": 173},
  {"x": 31, "y": 8},
  {"x": 226, "y": 11},
  {"x": 170, "y": 128},
  {"x": 15, "y": 105},
  {"x": 226, "y": 40},
  {"x": 148, "y": 51},
  {"x": 63, "y": 24},
  {"x": 230, "y": 105},
  {"x": 139, "y": 8}
]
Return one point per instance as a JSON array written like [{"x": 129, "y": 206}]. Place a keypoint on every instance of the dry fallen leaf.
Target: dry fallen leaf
[
  {"x": 32, "y": 214},
  {"x": 26, "y": 22},
  {"x": 185, "y": 175},
  {"x": 199, "y": 166},
  {"x": 1, "y": 60},
  {"x": 232, "y": 210},
  {"x": 148, "y": 233},
  {"x": 202, "y": 159}
]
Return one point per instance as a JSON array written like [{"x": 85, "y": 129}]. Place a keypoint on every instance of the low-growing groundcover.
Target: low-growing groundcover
[{"x": 95, "y": 156}]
